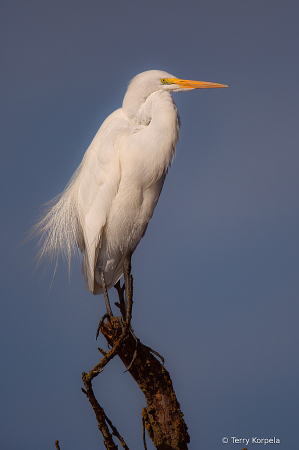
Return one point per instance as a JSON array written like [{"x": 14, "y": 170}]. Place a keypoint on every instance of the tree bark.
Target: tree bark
[{"x": 162, "y": 416}]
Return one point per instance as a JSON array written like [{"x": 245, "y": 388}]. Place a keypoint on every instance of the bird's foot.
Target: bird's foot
[
  {"x": 105, "y": 316},
  {"x": 109, "y": 313}
]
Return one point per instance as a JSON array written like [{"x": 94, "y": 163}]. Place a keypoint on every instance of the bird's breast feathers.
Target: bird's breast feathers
[{"x": 123, "y": 161}]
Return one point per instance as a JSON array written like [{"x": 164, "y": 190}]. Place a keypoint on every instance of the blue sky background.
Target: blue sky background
[{"x": 216, "y": 276}]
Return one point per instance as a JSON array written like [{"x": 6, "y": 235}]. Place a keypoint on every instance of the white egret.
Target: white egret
[{"x": 106, "y": 207}]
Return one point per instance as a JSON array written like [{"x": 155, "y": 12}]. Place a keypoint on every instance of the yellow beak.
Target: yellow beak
[{"x": 190, "y": 84}]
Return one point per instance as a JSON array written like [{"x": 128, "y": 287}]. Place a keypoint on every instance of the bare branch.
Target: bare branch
[
  {"x": 143, "y": 433},
  {"x": 162, "y": 417}
]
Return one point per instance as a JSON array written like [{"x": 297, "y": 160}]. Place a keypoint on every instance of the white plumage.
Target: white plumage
[{"x": 105, "y": 209}]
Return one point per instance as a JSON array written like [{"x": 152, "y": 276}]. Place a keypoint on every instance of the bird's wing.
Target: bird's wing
[{"x": 98, "y": 183}]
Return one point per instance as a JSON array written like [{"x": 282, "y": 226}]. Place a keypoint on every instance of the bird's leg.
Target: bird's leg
[
  {"x": 125, "y": 305},
  {"x": 108, "y": 307},
  {"x": 129, "y": 293},
  {"x": 125, "y": 308},
  {"x": 128, "y": 284},
  {"x": 109, "y": 313},
  {"x": 121, "y": 304},
  {"x": 129, "y": 302}
]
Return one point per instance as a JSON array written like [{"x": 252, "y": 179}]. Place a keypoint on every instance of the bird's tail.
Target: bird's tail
[{"x": 59, "y": 230}]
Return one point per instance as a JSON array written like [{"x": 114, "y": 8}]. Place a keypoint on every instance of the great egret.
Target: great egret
[{"x": 106, "y": 207}]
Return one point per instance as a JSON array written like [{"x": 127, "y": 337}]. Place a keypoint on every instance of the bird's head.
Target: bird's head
[
  {"x": 156, "y": 80},
  {"x": 146, "y": 83}
]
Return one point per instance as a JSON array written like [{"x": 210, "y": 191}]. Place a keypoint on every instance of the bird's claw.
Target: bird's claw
[{"x": 105, "y": 316}]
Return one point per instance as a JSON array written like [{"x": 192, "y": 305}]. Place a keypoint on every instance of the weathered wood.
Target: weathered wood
[{"x": 162, "y": 416}]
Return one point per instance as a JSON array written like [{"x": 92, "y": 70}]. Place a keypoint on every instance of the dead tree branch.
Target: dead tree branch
[{"x": 162, "y": 417}]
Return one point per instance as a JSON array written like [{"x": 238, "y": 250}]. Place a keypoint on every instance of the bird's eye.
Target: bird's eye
[{"x": 165, "y": 81}]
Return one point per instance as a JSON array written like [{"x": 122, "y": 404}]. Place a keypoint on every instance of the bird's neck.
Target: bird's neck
[
  {"x": 159, "y": 124},
  {"x": 140, "y": 109}
]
